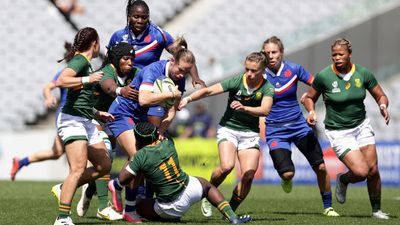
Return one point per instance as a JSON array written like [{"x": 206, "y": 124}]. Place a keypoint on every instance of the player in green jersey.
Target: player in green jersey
[
  {"x": 75, "y": 128},
  {"x": 157, "y": 160},
  {"x": 250, "y": 96},
  {"x": 343, "y": 86},
  {"x": 118, "y": 73}
]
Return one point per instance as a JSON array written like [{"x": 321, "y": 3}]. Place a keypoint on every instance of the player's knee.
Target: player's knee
[
  {"x": 373, "y": 171},
  {"x": 226, "y": 169},
  {"x": 361, "y": 172},
  {"x": 248, "y": 176},
  {"x": 103, "y": 168},
  {"x": 320, "y": 168},
  {"x": 288, "y": 175}
]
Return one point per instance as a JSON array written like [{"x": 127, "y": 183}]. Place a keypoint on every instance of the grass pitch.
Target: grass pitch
[{"x": 31, "y": 203}]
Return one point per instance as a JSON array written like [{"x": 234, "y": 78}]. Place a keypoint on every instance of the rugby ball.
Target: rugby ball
[{"x": 164, "y": 85}]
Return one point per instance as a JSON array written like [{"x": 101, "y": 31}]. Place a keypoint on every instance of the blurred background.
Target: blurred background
[{"x": 220, "y": 33}]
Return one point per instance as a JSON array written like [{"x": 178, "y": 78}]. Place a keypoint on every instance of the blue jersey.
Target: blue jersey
[
  {"x": 285, "y": 108},
  {"x": 63, "y": 91},
  {"x": 127, "y": 110},
  {"x": 148, "y": 45}
]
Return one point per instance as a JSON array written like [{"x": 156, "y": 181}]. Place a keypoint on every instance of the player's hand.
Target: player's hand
[
  {"x": 130, "y": 93},
  {"x": 50, "y": 102},
  {"x": 236, "y": 105},
  {"x": 198, "y": 82},
  {"x": 312, "y": 118},
  {"x": 177, "y": 93},
  {"x": 184, "y": 101},
  {"x": 104, "y": 116},
  {"x": 385, "y": 113},
  {"x": 95, "y": 77}
]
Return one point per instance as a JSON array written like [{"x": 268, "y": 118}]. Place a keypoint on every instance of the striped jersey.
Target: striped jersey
[
  {"x": 148, "y": 45},
  {"x": 285, "y": 108}
]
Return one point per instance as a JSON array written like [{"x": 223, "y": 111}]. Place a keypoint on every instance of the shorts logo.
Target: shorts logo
[
  {"x": 348, "y": 85},
  {"x": 274, "y": 144},
  {"x": 357, "y": 82},
  {"x": 335, "y": 88},
  {"x": 130, "y": 121}
]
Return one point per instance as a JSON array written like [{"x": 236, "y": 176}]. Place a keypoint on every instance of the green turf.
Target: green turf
[{"x": 31, "y": 203}]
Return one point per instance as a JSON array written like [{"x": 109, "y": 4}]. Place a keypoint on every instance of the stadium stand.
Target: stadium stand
[
  {"x": 30, "y": 47},
  {"x": 228, "y": 30}
]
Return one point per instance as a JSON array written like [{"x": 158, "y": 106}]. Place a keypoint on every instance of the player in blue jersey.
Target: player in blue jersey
[
  {"x": 127, "y": 112},
  {"x": 50, "y": 102},
  {"x": 149, "y": 41},
  {"x": 286, "y": 125}
]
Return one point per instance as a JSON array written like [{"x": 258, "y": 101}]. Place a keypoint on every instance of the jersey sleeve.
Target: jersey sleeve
[
  {"x": 370, "y": 80},
  {"x": 78, "y": 63},
  {"x": 113, "y": 40},
  {"x": 149, "y": 76},
  {"x": 269, "y": 89},
  {"x": 135, "y": 165},
  {"x": 305, "y": 76},
  {"x": 318, "y": 83},
  {"x": 108, "y": 73},
  {"x": 169, "y": 40},
  {"x": 232, "y": 83}
]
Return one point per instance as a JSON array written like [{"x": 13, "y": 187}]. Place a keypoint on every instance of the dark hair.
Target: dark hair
[
  {"x": 258, "y": 57},
  {"x": 67, "y": 47},
  {"x": 82, "y": 42},
  {"x": 179, "y": 50},
  {"x": 116, "y": 52},
  {"x": 342, "y": 41},
  {"x": 135, "y": 3},
  {"x": 145, "y": 134},
  {"x": 274, "y": 40}
]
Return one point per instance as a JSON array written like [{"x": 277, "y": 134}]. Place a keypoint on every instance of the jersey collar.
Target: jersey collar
[
  {"x": 167, "y": 69},
  {"x": 278, "y": 73},
  {"x": 139, "y": 36},
  {"x": 250, "y": 90},
  {"x": 347, "y": 76}
]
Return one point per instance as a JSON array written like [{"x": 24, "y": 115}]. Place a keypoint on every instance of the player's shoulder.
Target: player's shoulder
[{"x": 292, "y": 65}]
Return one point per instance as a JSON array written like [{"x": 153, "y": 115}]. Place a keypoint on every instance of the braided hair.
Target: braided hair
[
  {"x": 135, "y": 3},
  {"x": 82, "y": 42},
  {"x": 145, "y": 134},
  {"x": 116, "y": 52},
  {"x": 343, "y": 41}
]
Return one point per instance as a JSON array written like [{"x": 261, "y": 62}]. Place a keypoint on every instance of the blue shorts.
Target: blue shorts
[
  {"x": 157, "y": 110},
  {"x": 280, "y": 136},
  {"x": 121, "y": 124}
]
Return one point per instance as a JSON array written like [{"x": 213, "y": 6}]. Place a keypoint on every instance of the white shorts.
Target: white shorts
[
  {"x": 77, "y": 128},
  {"x": 104, "y": 126},
  {"x": 176, "y": 209},
  {"x": 241, "y": 139},
  {"x": 343, "y": 141}
]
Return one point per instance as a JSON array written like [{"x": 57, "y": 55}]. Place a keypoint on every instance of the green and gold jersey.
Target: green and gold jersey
[
  {"x": 104, "y": 100},
  {"x": 344, "y": 95},
  {"x": 238, "y": 90},
  {"x": 80, "y": 99},
  {"x": 160, "y": 165}
]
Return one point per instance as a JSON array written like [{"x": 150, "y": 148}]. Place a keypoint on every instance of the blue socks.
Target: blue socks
[
  {"x": 23, "y": 162},
  {"x": 326, "y": 199}
]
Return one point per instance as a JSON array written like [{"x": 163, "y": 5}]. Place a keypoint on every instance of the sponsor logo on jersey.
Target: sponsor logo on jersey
[
  {"x": 147, "y": 38},
  {"x": 287, "y": 73},
  {"x": 278, "y": 84},
  {"x": 335, "y": 88},
  {"x": 357, "y": 82},
  {"x": 259, "y": 96},
  {"x": 125, "y": 38},
  {"x": 348, "y": 85},
  {"x": 238, "y": 95}
]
